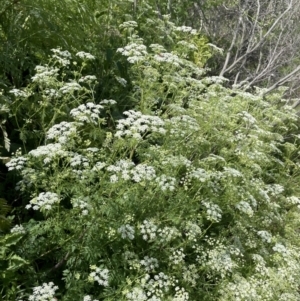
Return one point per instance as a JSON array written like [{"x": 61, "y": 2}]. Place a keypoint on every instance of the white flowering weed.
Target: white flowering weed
[
  {"x": 99, "y": 275},
  {"x": 186, "y": 191},
  {"x": 44, "y": 201},
  {"x": 44, "y": 292},
  {"x": 88, "y": 112},
  {"x": 18, "y": 229}
]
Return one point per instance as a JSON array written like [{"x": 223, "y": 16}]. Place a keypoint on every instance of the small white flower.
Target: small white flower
[
  {"x": 148, "y": 230},
  {"x": 62, "y": 132},
  {"x": 19, "y": 93},
  {"x": 186, "y": 29},
  {"x": 18, "y": 229},
  {"x": 213, "y": 211},
  {"x": 85, "y": 55},
  {"x": 87, "y": 79},
  {"x": 265, "y": 236},
  {"x": 44, "y": 292},
  {"x": 177, "y": 256},
  {"x": 110, "y": 102},
  {"x": 245, "y": 208},
  {"x": 134, "y": 52},
  {"x": 88, "y": 298},
  {"x": 149, "y": 263},
  {"x": 280, "y": 249},
  {"x": 45, "y": 74},
  {"x": 70, "y": 87},
  {"x": 166, "y": 57},
  {"x": 44, "y": 201},
  {"x": 126, "y": 231},
  {"x": 166, "y": 183},
  {"x": 16, "y": 163},
  {"x": 128, "y": 24},
  {"x": 99, "y": 275},
  {"x": 88, "y": 112}
]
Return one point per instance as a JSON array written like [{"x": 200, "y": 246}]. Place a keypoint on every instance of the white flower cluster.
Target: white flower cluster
[
  {"x": 134, "y": 52},
  {"x": 79, "y": 160},
  {"x": 99, "y": 275},
  {"x": 183, "y": 125},
  {"x": 232, "y": 172},
  {"x": 217, "y": 260},
  {"x": 109, "y": 102},
  {"x": 186, "y": 29},
  {"x": 137, "y": 294},
  {"x": 44, "y": 74},
  {"x": 49, "y": 151},
  {"x": 44, "y": 201},
  {"x": 19, "y": 93},
  {"x": 52, "y": 93},
  {"x": 70, "y": 87},
  {"x": 87, "y": 79},
  {"x": 292, "y": 200},
  {"x": 198, "y": 173},
  {"x": 176, "y": 161},
  {"x": 242, "y": 289},
  {"x": 122, "y": 168},
  {"x": 29, "y": 176},
  {"x": 247, "y": 117},
  {"x": 128, "y": 24},
  {"x": 190, "y": 274},
  {"x": 169, "y": 58},
  {"x": 275, "y": 189},
  {"x": 16, "y": 163},
  {"x": 265, "y": 236},
  {"x": 167, "y": 234},
  {"x": 126, "y": 231},
  {"x": 148, "y": 230},
  {"x": 213, "y": 211},
  {"x": 88, "y": 112},
  {"x": 187, "y": 45},
  {"x": 82, "y": 204},
  {"x": 85, "y": 55},
  {"x": 193, "y": 231},
  {"x": 166, "y": 183},
  {"x": 245, "y": 207},
  {"x": 62, "y": 132},
  {"x": 181, "y": 294},
  {"x": 44, "y": 292},
  {"x": 156, "y": 286},
  {"x": 137, "y": 124},
  {"x": 157, "y": 48},
  {"x": 89, "y": 298},
  {"x": 177, "y": 256},
  {"x": 280, "y": 249},
  {"x": 18, "y": 229},
  {"x": 149, "y": 263},
  {"x": 128, "y": 171},
  {"x": 62, "y": 57}
]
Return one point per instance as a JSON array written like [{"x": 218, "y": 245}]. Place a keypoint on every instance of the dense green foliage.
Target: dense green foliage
[{"x": 128, "y": 172}]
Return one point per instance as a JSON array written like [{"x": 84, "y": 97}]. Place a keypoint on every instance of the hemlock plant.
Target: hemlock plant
[{"x": 191, "y": 195}]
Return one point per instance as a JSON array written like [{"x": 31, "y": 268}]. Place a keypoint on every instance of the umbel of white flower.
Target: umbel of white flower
[
  {"x": 44, "y": 292},
  {"x": 136, "y": 124},
  {"x": 44, "y": 201},
  {"x": 88, "y": 112},
  {"x": 99, "y": 275}
]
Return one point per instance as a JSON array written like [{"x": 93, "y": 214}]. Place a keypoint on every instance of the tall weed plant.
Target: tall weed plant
[{"x": 188, "y": 193}]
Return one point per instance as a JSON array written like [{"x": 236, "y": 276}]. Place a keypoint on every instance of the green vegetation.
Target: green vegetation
[{"x": 131, "y": 170}]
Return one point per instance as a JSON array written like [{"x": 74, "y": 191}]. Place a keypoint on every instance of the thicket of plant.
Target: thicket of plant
[{"x": 133, "y": 175}]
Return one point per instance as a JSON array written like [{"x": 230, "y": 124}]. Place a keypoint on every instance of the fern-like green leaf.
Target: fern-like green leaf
[{"x": 4, "y": 209}]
